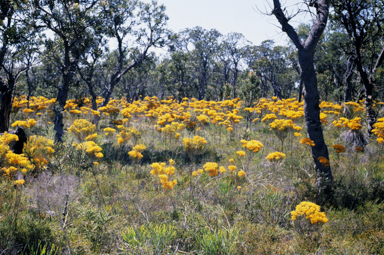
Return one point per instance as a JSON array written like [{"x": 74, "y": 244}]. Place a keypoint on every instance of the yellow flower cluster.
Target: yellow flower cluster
[
  {"x": 91, "y": 137},
  {"x": 240, "y": 153},
  {"x": 126, "y": 134},
  {"x": 91, "y": 148},
  {"x": 353, "y": 124},
  {"x": 75, "y": 112},
  {"x": 136, "y": 151},
  {"x": 307, "y": 141},
  {"x": 293, "y": 115},
  {"x": 267, "y": 117},
  {"x": 109, "y": 131},
  {"x": 330, "y": 108},
  {"x": 281, "y": 127},
  {"x": 16, "y": 162},
  {"x": 35, "y": 103},
  {"x": 275, "y": 156},
  {"x": 26, "y": 124},
  {"x": 39, "y": 149},
  {"x": 82, "y": 128},
  {"x": 170, "y": 129},
  {"x": 359, "y": 149},
  {"x": 323, "y": 161},
  {"x": 232, "y": 168},
  {"x": 136, "y": 134},
  {"x": 338, "y": 148},
  {"x": 163, "y": 172},
  {"x": 323, "y": 117},
  {"x": 123, "y": 137},
  {"x": 10, "y": 162},
  {"x": 111, "y": 108},
  {"x": 253, "y": 145},
  {"x": 203, "y": 119},
  {"x": 136, "y": 155},
  {"x": 197, "y": 143},
  {"x": 241, "y": 173},
  {"x": 8, "y": 138},
  {"x": 356, "y": 107},
  {"x": 311, "y": 212},
  {"x": 378, "y": 129},
  {"x": 211, "y": 168},
  {"x": 19, "y": 182},
  {"x": 198, "y": 172}
]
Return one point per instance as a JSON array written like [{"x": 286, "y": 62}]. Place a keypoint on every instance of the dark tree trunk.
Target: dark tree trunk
[
  {"x": 5, "y": 105},
  {"x": 352, "y": 15},
  {"x": 19, "y": 145},
  {"x": 29, "y": 83},
  {"x": 312, "y": 114},
  {"x": 235, "y": 76},
  {"x": 308, "y": 75},
  {"x": 276, "y": 89},
  {"x": 202, "y": 86},
  {"x": 68, "y": 69},
  {"x": 62, "y": 96}
]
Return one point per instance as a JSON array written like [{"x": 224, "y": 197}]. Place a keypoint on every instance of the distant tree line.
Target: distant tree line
[{"x": 59, "y": 48}]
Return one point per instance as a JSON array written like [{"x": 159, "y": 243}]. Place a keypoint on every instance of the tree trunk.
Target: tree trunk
[
  {"x": 276, "y": 89},
  {"x": 62, "y": 96},
  {"x": 68, "y": 70},
  {"x": 61, "y": 99},
  {"x": 312, "y": 115},
  {"x": 311, "y": 96},
  {"x": 5, "y": 105},
  {"x": 29, "y": 83},
  {"x": 202, "y": 87}
]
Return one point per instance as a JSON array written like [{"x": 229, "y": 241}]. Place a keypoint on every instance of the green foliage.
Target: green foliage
[
  {"x": 249, "y": 89},
  {"x": 94, "y": 226},
  {"x": 218, "y": 241},
  {"x": 42, "y": 249},
  {"x": 148, "y": 239}
]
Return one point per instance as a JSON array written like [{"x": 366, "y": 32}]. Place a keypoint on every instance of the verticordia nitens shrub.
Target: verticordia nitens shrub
[{"x": 311, "y": 212}]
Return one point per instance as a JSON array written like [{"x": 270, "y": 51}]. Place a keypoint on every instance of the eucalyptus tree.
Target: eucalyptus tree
[
  {"x": 95, "y": 48},
  {"x": 134, "y": 86},
  {"x": 175, "y": 75},
  {"x": 202, "y": 46},
  {"x": 137, "y": 27},
  {"x": 363, "y": 22},
  {"x": 14, "y": 35},
  {"x": 69, "y": 22},
  {"x": 31, "y": 57},
  {"x": 270, "y": 63},
  {"x": 331, "y": 64},
  {"x": 18, "y": 60},
  {"x": 306, "y": 51},
  {"x": 231, "y": 51}
]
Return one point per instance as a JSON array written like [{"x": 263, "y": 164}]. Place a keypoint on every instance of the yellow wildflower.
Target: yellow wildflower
[
  {"x": 274, "y": 156},
  {"x": 311, "y": 212},
  {"x": 241, "y": 173}
]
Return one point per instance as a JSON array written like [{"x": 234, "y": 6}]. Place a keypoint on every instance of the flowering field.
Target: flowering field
[{"x": 191, "y": 177}]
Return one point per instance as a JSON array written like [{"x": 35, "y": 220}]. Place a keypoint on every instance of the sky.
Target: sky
[{"x": 242, "y": 16}]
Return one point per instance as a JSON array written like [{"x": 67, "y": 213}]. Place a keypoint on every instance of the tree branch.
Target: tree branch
[
  {"x": 285, "y": 26},
  {"x": 322, "y": 8},
  {"x": 379, "y": 61}
]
